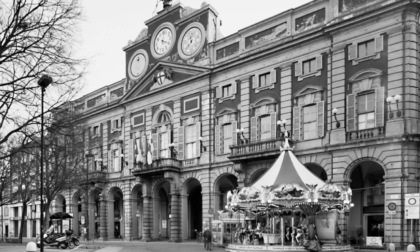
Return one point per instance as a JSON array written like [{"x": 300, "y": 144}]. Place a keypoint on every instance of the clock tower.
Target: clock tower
[{"x": 177, "y": 34}]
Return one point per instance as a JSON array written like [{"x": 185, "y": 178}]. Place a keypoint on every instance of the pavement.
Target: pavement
[{"x": 133, "y": 246}]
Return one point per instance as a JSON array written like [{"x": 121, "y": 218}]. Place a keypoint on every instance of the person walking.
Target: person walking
[{"x": 207, "y": 238}]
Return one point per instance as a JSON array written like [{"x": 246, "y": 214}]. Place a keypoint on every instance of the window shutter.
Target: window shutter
[
  {"x": 198, "y": 142},
  {"x": 352, "y": 51},
  {"x": 319, "y": 62},
  {"x": 180, "y": 155},
  {"x": 110, "y": 163},
  {"x": 351, "y": 112},
  {"x": 254, "y": 129},
  {"x": 234, "y": 88},
  {"x": 130, "y": 152},
  {"x": 218, "y": 139},
  {"x": 379, "y": 43},
  {"x": 218, "y": 92},
  {"x": 321, "y": 119},
  {"x": 118, "y": 168},
  {"x": 296, "y": 123},
  {"x": 254, "y": 82},
  {"x": 273, "y": 125},
  {"x": 298, "y": 68},
  {"x": 234, "y": 135},
  {"x": 379, "y": 108},
  {"x": 155, "y": 141},
  {"x": 273, "y": 76}
]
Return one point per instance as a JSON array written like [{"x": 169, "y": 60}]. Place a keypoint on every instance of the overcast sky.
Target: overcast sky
[{"x": 106, "y": 29}]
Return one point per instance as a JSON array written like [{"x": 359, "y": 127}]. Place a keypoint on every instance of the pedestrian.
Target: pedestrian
[{"x": 207, "y": 238}]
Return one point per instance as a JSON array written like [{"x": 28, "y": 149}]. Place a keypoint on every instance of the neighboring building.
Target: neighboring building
[{"x": 197, "y": 116}]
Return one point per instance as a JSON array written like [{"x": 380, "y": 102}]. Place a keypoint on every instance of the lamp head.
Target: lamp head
[
  {"x": 397, "y": 98},
  {"x": 334, "y": 111},
  {"x": 44, "y": 81},
  {"x": 389, "y": 99}
]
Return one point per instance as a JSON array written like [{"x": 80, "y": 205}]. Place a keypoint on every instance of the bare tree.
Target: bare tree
[
  {"x": 62, "y": 158},
  {"x": 64, "y": 155},
  {"x": 36, "y": 38}
]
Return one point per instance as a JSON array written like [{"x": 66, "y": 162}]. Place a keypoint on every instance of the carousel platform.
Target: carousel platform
[{"x": 273, "y": 248}]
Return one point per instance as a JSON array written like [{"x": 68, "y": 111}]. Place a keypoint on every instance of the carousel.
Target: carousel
[{"x": 294, "y": 210}]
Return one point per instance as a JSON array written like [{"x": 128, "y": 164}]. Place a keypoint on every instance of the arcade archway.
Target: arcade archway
[
  {"x": 192, "y": 209},
  {"x": 137, "y": 212},
  {"x": 116, "y": 213},
  {"x": 366, "y": 218},
  {"x": 161, "y": 211}
]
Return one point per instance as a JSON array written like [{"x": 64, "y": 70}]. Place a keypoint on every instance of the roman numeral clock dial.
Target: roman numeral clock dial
[
  {"x": 191, "y": 40},
  {"x": 163, "y": 40}
]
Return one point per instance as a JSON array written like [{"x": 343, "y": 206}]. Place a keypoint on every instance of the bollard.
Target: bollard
[
  {"x": 31, "y": 247},
  {"x": 391, "y": 247},
  {"x": 411, "y": 247}
]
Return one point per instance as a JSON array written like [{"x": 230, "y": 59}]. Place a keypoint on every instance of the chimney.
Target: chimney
[{"x": 167, "y": 4}]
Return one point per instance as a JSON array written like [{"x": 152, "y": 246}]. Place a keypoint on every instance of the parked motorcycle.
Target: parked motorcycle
[
  {"x": 72, "y": 239},
  {"x": 53, "y": 240}
]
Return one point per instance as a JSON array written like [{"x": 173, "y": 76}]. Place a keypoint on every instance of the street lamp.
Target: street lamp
[
  {"x": 43, "y": 82},
  {"x": 87, "y": 155}
]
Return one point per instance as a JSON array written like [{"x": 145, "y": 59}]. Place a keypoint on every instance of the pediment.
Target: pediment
[
  {"x": 163, "y": 75},
  {"x": 308, "y": 90}
]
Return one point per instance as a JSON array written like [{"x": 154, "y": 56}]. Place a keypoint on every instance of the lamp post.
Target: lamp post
[
  {"x": 43, "y": 82},
  {"x": 87, "y": 155}
]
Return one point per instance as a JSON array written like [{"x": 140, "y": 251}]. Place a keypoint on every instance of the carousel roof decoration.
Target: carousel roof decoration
[{"x": 289, "y": 184}]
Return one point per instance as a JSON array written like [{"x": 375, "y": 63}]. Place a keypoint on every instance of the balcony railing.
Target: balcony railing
[
  {"x": 158, "y": 166},
  {"x": 91, "y": 176},
  {"x": 365, "y": 134},
  {"x": 255, "y": 150}
]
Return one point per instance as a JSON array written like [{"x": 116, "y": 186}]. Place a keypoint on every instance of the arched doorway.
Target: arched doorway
[
  {"x": 116, "y": 214},
  {"x": 161, "y": 211},
  {"x": 317, "y": 171},
  {"x": 223, "y": 185},
  {"x": 366, "y": 218},
  {"x": 59, "y": 205},
  {"x": 192, "y": 209},
  {"x": 94, "y": 213},
  {"x": 137, "y": 212},
  {"x": 256, "y": 175}
]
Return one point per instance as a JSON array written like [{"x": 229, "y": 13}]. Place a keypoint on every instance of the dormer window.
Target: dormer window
[
  {"x": 116, "y": 124},
  {"x": 264, "y": 80},
  {"x": 308, "y": 67},
  {"x": 95, "y": 131},
  {"x": 226, "y": 91},
  {"x": 366, "y": 48}
]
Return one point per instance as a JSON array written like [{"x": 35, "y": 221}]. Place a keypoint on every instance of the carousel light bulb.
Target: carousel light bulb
[
  {"x": 346, "y": 202},
  {"x": 309, "y": 200},
  {"x": 315, "y": 200},
  {"x": 351, "y": 205}
]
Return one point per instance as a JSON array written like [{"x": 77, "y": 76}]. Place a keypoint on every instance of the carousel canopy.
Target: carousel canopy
[{"x": 287, "y": 170}]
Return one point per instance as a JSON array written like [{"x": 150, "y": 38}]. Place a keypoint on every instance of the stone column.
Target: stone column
[
  {"x": 102, "y": 218},
  {"x": 111, "y": 219},
  {"x": 85, "y": 216},
  {"x": 128, "y": 220},
  {"x": 175, "y": 217},
  {"x": 147, "y": 218},
  {"x": 184, "y": 221}
]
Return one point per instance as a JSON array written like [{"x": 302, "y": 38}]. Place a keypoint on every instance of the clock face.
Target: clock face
[
  {"x": 191, "y": 41},
  {"x": 138, "y": 64},
  {"x": 163, "y": 41}
]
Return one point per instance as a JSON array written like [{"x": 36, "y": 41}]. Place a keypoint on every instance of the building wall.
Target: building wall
[{"x": 327, "y": 31}]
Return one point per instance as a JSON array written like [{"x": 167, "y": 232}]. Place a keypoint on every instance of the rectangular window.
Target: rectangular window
[
  {"x": 227, "y": 90},
  {"x": 227, "y": 137},
  {"x": 366, "y": 111},
  {"x": 366, "y": 48},
  {"x": 310, "y": 115},
  {"x": 264, "y": 79},
  {"x": 116, "y": 124},
  {"x": 115, "y": 159},
  {"x": 138, "y": 120},
  {"x": 190, "y": 141},
  {"x": 95, "y": 131},
  {"x": 265, "y": 127},
  {"x": 164, "y": 145},
  {"x": 309, "y": 66}
]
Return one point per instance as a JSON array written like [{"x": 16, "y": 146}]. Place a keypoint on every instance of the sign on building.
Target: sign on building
[{"x": 412, "y": 205}]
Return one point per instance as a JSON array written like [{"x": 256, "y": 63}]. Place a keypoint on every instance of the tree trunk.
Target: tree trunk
[{"x": 23, "y": 220}]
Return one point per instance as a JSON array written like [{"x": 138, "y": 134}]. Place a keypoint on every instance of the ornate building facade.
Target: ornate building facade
[{"x": 197, "y": 115}]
